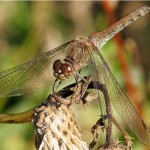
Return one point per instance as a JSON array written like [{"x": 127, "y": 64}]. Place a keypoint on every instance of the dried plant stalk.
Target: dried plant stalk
[{"x": 56, "y": 128}]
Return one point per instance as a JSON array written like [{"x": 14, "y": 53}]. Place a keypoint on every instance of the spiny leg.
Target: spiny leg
[
  {"x": 55, "y": 90},
  {"x": 80, "y": 89},
  {"x": 58, "y": 85},
  {"x": 77, "y": 76},
  {"x": 54, "y": 85},
  {"x": 78, "y": 92}
]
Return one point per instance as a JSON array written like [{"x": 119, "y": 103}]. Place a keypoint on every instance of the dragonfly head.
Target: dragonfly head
[{"x": 62, "y": 71}]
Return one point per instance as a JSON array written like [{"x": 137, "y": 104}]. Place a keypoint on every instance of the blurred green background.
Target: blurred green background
[{"x": 28, "y": 29}]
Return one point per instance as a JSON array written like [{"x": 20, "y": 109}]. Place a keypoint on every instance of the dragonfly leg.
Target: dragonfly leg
[
  {"x": 80, "y": 89},
  {"x": 77, "y": 76},
  {"x": 55, "y": 90},
  {"x": 75, "y": 98},
  {"x": 54, "y": 85},
  {"x": 58, "y": 85},
  {"x": 79, "y": 92},
  {"x": 62, "y": 100}
]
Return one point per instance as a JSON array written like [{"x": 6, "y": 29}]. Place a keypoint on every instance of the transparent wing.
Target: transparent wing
[
  {"x": 119, "y": 100},
  {"x": 35, "y": 75},
  {"x": 102, "y": 73}
]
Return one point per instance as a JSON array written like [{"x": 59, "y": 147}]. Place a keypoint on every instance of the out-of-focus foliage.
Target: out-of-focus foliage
[{"x": 28, "y": 29}]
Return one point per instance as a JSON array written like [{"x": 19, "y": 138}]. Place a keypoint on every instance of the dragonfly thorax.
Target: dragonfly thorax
[{"x": 74, "y": 60}]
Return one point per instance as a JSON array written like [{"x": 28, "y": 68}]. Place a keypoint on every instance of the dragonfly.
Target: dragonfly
[{"x": 69, "y": 63}]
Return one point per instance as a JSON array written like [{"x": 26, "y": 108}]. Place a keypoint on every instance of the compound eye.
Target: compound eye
[
  {"x": 66, "y": 69},
  {"x": 56, "y": 65}
]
